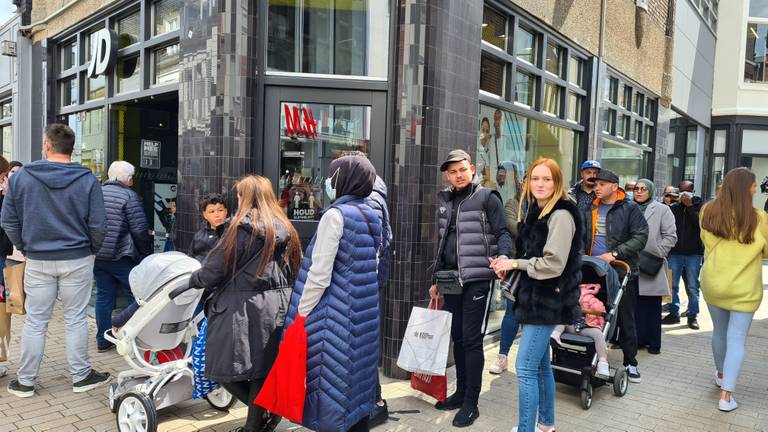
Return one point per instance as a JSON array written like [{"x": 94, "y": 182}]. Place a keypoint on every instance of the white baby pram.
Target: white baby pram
[{"x": 164, "y": 320}]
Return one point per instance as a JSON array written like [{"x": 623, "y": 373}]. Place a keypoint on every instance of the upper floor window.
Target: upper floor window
[{"x": 755, "y": 60}]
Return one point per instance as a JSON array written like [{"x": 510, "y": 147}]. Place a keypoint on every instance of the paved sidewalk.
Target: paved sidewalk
[{"x": 677, "y": 394}]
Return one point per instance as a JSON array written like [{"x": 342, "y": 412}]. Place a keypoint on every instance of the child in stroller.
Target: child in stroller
[
  {"x": 590, "y": 325},
  {"x": 164, "y": 320}
]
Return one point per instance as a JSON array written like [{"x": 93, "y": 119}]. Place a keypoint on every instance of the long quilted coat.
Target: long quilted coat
[
  {"x": 127, "y": 229},
  {"x": 343, "y": 329}
]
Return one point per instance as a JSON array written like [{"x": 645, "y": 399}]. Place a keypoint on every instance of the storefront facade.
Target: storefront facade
[{"x": 198, "y": 94}]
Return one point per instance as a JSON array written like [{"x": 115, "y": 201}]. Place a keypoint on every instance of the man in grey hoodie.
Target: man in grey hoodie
[{"x": 54, "y": 214}]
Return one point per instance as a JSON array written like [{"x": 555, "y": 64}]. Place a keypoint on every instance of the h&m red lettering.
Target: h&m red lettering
[{"x": 300, "y": 125}]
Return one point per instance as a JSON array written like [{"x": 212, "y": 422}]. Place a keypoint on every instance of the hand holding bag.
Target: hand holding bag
[
  {"x": 510, "y": 284},
  {"x": 431, "y": 385},
  {"x": 426, "y": 341},
  {"x": 285, "y": 388}
]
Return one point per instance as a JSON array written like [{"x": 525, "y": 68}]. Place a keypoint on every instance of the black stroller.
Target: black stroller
[{"x": 574, "y": 360}]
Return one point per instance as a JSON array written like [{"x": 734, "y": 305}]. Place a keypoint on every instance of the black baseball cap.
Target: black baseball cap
[
  {"x": 606, "y": 175},
  {"x": 455, "y": 156}
]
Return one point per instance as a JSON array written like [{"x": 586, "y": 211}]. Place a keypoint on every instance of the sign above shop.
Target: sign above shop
[
  {"x": 150, "y": 154},
  {"x": 104, "y": 53},
  {"x": 296, "y": 125}
]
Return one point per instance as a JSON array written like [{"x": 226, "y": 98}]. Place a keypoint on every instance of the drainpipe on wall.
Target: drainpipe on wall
[
  {"x": 669, "y": 49},
  {"x": 598, "y": 86}
]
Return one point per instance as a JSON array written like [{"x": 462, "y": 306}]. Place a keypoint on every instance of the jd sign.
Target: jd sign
[{"x": 104, "y": 52}]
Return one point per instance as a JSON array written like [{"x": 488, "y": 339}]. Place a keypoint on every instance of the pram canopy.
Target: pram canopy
[
  {"x": 157, "y": 270},
  {"x": 607, "y": 274}
]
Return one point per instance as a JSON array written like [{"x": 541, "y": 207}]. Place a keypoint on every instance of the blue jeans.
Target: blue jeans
[
  {"x": 536, "y": 384},
  {"x": 509, "y": 327},
  {"x": 111, "y": 276},
  {"x": 692, "y": 266},
  {"x": 729, "y": 337}
]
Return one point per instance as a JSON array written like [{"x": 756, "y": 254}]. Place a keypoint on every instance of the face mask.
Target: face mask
[
  {"x": 330, "y": 190},
  {"x": 630, "y": 195}
]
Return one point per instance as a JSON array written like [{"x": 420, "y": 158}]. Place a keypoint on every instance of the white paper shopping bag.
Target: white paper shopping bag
[{"x": 426, "y": 341}]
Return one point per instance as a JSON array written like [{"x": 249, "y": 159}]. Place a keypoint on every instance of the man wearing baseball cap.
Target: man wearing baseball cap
[
  {"x": 472, "y": 230},
  {"x": 584, "y": 191},
  {"x": 617, "y": 230}
]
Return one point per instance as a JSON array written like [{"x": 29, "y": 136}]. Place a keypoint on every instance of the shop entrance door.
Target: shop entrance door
[{"x": 305, "y": 130}]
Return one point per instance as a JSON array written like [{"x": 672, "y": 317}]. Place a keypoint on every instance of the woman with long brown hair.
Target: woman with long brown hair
[
  {"x": 735, "y": 237},
  {"x": 250, "y": 274}
]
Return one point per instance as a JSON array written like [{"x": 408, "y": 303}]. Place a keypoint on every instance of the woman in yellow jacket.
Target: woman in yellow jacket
[{"x": 735, "y": 237}]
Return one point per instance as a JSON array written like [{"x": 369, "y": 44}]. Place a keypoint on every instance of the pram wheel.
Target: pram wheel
[
  {"x": 620, "y": 382},
  {"x": 586, "y": 397},
  {"x": 136, "y": 412},
  {"x": 221, "y": 399}
]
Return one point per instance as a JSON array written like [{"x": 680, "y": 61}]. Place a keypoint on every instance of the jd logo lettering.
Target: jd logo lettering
[
  {"x": 304, "y": 125},
  {"x": 104, "y": 52},
  {"x": 423, "y": 335}
]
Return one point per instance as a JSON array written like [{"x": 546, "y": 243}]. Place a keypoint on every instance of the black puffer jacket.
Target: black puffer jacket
[
  {"x": 203, "y": 242},
  {"x": 127, "y": 229},
  {"x": 245, "y": 317},
  {"x": 548, "y": 301},
  {"x": 6, "y": 247}
]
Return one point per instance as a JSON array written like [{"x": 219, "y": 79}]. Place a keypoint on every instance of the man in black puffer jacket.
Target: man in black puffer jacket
[{"x": 126, "y": 243}]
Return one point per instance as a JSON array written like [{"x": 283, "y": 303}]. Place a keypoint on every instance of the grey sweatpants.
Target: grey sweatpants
[{"x": 44, "y": 281}]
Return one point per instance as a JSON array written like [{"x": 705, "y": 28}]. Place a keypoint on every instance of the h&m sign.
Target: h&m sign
[
  {"x": 300, "y": 122},
  {"x": 104, "y": 52}
]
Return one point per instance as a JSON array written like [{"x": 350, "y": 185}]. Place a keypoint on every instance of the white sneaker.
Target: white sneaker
[
  {"x": 727, "y": 406},
  {"x": 3, "y": 371},
  {"x": 514, "y": 429},
  {"x": 500, "y": 366},
  {"x": 634, "y": 374},
  {"x": 718, "y": 380},
  {"x": 603, "y": 369}
]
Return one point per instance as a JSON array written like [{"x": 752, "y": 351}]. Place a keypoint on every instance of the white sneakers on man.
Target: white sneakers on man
[
  {"x": 500, "y": 365},
  {"x": 727, "y": 405}
]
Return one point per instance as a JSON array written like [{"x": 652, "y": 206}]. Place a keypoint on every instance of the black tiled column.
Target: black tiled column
[
  {"x": 216, "y": 102},
  {"x": 437, "y": 78}
]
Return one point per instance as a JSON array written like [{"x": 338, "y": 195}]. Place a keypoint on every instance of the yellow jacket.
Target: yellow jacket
[{"x": 732, "y": 275}]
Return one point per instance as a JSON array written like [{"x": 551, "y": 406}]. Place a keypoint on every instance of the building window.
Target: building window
[
  {"x": 128, "y": 75},
  {"x": 755, "y": 61},
  {"x": 574, "y": 107},
  {"x": 525, "y": 45},
  {"x": 628, "y": 162},
  {"x": 576, "y": 71},
  {"x": 90, "y": 45},
  {"x": 166, "y": 16},
  {"x": 128, "y": 31},
  {"x": 494, "y": 28},
  {"x": 6, "y": 135},
  {"x": 718, "y": 160},
  {"x": 166, "y": 65},
  {"x": 552, "y": 99},
  {"x": 6, "y": 110},
  {"x": 90, "y": 136},
  {"x": 631, "y": 111},
  {"x": 525, "y": 89},
  {"x": 95, "y": 88},
  {"x": 555, "y": 56},
  {"x": 68, "y": 54},
  {"x": 334, "y": 38},
  {"x": 69, "y": 89},
  {"x": 309, "y": 145},
  {"x": 491, "y": 75}
]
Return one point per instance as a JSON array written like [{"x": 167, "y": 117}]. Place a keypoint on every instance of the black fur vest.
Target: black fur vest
[{"x": 548, "y": 301}]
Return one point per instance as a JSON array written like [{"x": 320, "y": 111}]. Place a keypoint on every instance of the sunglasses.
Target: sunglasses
[{"x": 641, "y": 189}]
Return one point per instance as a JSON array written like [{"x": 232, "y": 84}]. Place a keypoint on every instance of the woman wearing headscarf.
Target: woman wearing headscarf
[
  {"x": 337, "y": 292},
  {"x": 653, "y": 282}
]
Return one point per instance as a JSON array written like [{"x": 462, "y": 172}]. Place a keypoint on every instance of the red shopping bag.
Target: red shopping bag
[
  {"x": 285, "y": 388},
  {"x": 431, "y": 385}
]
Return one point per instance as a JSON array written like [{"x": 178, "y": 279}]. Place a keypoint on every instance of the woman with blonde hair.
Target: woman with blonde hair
[
  {"x": 548, "y": 255},
  {"x": 735, "y": 237},
  {"x": 250, "y": 274}
]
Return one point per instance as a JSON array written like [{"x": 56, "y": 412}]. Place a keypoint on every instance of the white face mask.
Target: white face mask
[{"x": 330, "y": 188}]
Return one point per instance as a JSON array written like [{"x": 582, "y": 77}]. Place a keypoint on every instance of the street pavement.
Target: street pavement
[{"x": 677, "y": 394}]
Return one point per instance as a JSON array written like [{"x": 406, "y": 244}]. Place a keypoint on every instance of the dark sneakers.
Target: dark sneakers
[
  {"x": 379, "y": 415},
  {"x": 452, "y": 402},
  {"x": 693, "y": 323},
  {"x": 20, "y": 390},
  {"x": 104, "y": 348},
  {"x": 670, "y": 320},
  {"x": 93, "y": 380},
  {"x": 466, "y": 416}
]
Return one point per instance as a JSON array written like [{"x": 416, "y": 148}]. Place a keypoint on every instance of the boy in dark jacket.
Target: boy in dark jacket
[
  {"x": 214, "y": 210},
  {"x": 617, "y": 230}
]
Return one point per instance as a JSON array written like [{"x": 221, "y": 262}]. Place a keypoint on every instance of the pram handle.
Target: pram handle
[
  {"x": 179, "y": 291},
  {"x": 624, "y": 266}
]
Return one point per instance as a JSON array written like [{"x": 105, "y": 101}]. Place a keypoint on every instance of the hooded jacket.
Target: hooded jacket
[
  {"x": 54, "y": 211},
  {"x": 626, "y": 229},
  {"x": 127, "y": 229},
  {"x": 377, "y": 200}
]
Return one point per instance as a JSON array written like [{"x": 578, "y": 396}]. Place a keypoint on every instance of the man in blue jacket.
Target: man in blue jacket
[
  {"x": 54, "y": 214},
  {"x": 126, "y": 243}
]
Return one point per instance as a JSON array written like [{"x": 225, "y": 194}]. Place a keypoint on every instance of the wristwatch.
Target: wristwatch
[
  {"x": 514, "y": 264},
  {"x": 615, "y": 254}
]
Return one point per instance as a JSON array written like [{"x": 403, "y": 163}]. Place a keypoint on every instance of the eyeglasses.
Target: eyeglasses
[{"x": 641, "y": 189}]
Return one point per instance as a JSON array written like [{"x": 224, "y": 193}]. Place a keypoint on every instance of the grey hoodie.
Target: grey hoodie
[{"x": 54, "y": 211}]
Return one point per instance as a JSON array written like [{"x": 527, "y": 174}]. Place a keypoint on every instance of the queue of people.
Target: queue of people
[{"x": 256, "y": 280}]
